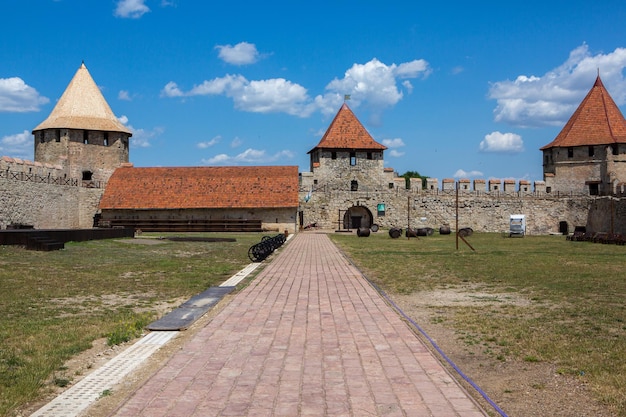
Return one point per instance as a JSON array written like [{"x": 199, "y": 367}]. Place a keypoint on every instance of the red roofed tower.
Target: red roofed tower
[
  {"x": 589, "y": 154},
  {"x": 347, "y": 157}
]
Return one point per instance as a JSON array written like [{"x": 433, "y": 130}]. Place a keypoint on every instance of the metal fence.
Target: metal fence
[{"x": 47, "y": 179}]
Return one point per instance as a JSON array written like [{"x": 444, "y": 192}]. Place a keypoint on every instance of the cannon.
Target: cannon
[{"x": 268, "y": 244}]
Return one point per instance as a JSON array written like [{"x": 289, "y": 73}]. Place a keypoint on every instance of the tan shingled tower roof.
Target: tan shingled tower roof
[
  {"x": 82, "y": 106},
  {"x": 346, "y": 132},
  {"x": 596, "y": 121}
]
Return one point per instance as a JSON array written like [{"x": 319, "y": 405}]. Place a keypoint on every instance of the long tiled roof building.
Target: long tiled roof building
[{"x": 175, "y": 188}]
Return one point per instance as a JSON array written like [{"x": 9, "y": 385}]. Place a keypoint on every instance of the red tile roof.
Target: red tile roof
[
  {"x": 347, "y": 132},
  {"x": 596, "y": 121},
  {"x": 202, "y": 187}
]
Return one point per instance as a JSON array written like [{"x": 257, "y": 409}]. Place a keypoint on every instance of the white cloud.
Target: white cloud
[
  {"x": 241, "y": 54},
  {"x": 171, "y": 90},
  {"x": 467, "y": 174},
  {"x": 141, "y": 137},
  {"x": 373, "y": 83},
  {"x": 264, "y": 96},
  {"x": 413, "y": 69},
  {"x": 132, "y": 9},
  {"x": 237, "y": 142},
  {"x": 457, "y": 70},
  {"x": 19, "y": 145},
  {"x": 124, "y": 95},
  {"x": 17, "y": 96},
  {"x": 393, "y": 143},
  {"x": 550, "y": 99},
  {"x": 395, "y": 154},
  {"x": 208, "y": 144},
  {"x": 249, "y": 156},
  {"x": 502, "y": 142}
]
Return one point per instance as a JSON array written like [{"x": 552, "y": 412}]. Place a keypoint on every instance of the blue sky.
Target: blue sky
[{"x": 454, "y": 89}]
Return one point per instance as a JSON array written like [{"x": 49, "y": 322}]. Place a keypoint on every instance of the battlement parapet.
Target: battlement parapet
[
  {"x": 494, "y": 187},
  {"x": 41, "y": 173},
  {"x": 26, "y": 166}
]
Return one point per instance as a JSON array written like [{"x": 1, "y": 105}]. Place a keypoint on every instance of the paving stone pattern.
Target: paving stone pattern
[{"x": 308, "y": 337}]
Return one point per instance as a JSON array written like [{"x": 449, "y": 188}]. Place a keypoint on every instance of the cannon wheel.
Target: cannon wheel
[{"x": 253, "y": 253}]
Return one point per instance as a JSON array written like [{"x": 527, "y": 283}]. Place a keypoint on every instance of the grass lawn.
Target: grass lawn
[
  {"x": 575, "y": 317},
  {"x": 54, "y": 304}
]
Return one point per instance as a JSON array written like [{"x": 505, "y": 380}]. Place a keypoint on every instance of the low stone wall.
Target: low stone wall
[{"x": 607, "y": 214}]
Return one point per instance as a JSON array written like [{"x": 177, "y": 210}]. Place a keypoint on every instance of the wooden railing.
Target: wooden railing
[{"x": 195, "y": 225}]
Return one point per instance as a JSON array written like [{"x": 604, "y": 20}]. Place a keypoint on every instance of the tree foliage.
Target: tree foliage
[{"x": 414, "y": 174}]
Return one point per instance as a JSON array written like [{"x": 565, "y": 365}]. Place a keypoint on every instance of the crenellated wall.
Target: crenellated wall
[
  {"x": 40, "y": 195},
  {"x": 482, "y": 211}
]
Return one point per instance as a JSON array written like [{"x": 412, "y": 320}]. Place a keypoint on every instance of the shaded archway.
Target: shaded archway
[{"x": 357, "y": 216}]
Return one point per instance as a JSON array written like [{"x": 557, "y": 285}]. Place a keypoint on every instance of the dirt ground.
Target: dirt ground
[{"x": 519, "y": 388}]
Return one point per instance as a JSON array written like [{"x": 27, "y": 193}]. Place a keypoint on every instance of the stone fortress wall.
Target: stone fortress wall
[
  {"x": 44, "y": 197},
  {"x": 485, "y": 207}
]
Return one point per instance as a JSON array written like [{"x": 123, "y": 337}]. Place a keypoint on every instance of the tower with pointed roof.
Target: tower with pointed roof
[
  {"x": 82, "y": 134},
  {"x": 589, "y": 154},
  {"x": 347, "y": 158}
]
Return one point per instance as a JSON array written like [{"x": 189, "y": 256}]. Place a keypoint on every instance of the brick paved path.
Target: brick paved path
[{"x": 308, "y": 337}]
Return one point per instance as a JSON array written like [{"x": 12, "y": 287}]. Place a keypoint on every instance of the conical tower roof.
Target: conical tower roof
[
  {"x": 347, "y": 132},
  {"x": 596, "y": 121},
  {"x": 82, "y": 106}
]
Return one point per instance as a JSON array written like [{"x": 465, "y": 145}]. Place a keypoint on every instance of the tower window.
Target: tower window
[
  {"x": 354, "y": 185},
  {"x": 369, "y": 155},
  {"x": 87, "y": 175},
  {"x": 591, "y": 151},
  {"x": 42, "y": 137},
  {"x": 57, "y": 135},
  {"x": 85, "y": 137},
  {"x": 352, "y": 158},
  {"x": 106, "y": 139},
  {"x": 333, "y": 155},
  {"x": 570, "y": 152},
  {"x": 615, "y": 149}
]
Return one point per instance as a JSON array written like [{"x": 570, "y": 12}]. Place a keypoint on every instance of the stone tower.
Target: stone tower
[
  {"x": 347, "y": 158},
  {"x": 589, "y": 155},
  {"x": 82, "y": 134}
]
